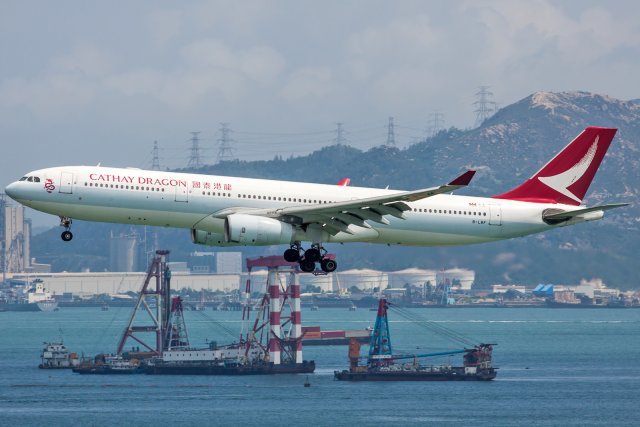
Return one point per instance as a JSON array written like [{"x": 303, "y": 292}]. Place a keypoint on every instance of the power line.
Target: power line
[
  {"x": 194, "y": 158},
  {"x": 155, "y": 162},
  {"x": 486, "y": 107},
  {"x": 436, "y": 122},
  {"x": 339, "y": 139},
  {"x": 391, "y": 137},
  {"x": 225, "y": 149}
]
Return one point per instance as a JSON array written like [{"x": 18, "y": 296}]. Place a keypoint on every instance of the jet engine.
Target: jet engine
[
  {"x": 202, "y": 237},
  {"x": 251, "y": 230}
]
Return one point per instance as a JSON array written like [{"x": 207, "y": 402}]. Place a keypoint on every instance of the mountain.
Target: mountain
[{"x": 506, "y": 149}]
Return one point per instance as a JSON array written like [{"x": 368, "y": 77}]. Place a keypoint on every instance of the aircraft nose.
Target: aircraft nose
[{"x": 11, "y": 190}]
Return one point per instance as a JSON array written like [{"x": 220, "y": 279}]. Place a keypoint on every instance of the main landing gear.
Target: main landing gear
[
  {"x": 65, "y": 222},
  {"x": 307, "y": 259}
]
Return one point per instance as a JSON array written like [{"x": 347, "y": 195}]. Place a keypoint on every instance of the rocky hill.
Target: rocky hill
[{"x": 508, "y": 148}]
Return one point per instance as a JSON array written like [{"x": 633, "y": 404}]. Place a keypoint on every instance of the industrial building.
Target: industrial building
[
  {"x": 15, "y": 238},
  {"x": 117, "y": 283}
]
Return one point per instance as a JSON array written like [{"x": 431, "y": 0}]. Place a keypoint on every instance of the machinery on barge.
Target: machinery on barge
[
  {"x": 269, "y": 344},
  {"x": 383, "y": 365}
]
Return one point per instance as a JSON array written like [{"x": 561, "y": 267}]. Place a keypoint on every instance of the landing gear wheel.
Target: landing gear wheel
[
  {"x": 328, "y": 265},
  {"x": 66, "y": 235},
  {"x": 307, "y": 266},
  {"x": 292, "y": 255},
  {"x": 312, "y": 254}
]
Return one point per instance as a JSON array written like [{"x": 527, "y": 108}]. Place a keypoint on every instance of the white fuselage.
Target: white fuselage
[{"x": 168, "y": 199}]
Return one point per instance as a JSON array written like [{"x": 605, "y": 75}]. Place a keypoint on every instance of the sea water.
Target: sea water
[{"x": 557, "y": 367}]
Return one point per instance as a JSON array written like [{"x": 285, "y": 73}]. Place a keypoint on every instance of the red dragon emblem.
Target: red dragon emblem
[{"x": 48, "y": 185}]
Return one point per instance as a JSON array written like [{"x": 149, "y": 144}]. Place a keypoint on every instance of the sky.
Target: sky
[{"x": 99, "y": 82}]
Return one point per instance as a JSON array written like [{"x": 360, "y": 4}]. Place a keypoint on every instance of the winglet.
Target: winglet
[
  {"x": 463, "y": 179},
  {"x": 344, "y": 182}
]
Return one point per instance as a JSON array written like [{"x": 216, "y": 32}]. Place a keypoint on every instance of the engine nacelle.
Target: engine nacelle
[
  {"x": 252, "y": 230},
  {"x": 210, "y": 239}
]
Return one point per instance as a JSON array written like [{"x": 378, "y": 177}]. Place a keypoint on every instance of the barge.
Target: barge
[{"x": 383, "y": 365}]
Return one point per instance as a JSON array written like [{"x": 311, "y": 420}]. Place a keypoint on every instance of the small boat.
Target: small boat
[{"x": 55, "y": 355}]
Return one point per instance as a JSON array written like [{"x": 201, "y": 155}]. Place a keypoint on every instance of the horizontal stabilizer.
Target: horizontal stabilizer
[{"x": 554, "y": 217}]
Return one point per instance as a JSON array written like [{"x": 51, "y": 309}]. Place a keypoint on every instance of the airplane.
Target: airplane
[{"x": 233, "y": 211}]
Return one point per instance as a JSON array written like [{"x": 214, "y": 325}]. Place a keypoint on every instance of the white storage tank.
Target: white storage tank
[
  {"x": 413, "y": 276},
  {"x": 363, "y": 279},
  {"x": 324, "y": 282}
]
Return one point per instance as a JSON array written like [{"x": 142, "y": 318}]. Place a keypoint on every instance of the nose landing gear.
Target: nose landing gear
[
  {"x": 65, "y": 222},
  {"x": 308, "y": 259}
]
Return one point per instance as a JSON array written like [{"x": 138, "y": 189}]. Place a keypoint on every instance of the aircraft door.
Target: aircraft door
[
  {"x": 182, "y": 194},
  {"x": 66, "y": 183},
  {"x": 495, "y": 215}
]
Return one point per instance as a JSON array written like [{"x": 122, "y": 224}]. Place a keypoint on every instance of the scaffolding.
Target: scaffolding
[
  {"x": 154, "y": 301},
  {"x": 277, "y": 327}
]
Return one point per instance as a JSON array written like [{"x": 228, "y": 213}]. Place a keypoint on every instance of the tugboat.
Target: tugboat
[
  {"x": 55, "y": 355},
  {"x": 383, "y": 365},
  {"x": 109, "y": 364}
]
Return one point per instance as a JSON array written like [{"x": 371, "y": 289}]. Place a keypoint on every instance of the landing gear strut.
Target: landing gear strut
[
  {"x": 308, "y": 259},
  {"x": 65, "y": 222}
]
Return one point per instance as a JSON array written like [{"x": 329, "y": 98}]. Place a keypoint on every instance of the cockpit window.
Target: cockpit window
[
  {"x": 30, "y": 179},
  {"x": 36, "y": 179},
  {"x": 24, "y": 178}
]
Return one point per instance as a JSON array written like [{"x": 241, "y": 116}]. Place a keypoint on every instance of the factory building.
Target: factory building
[
  {"x": 84, "y": 285},
  {"x": 458, "y": 279}
]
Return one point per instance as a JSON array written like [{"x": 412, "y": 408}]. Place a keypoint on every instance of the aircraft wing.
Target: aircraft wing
[{"x": 336, "y": 217}]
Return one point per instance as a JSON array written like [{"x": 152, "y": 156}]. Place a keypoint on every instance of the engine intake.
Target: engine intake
[{"x": 251, "y": 230}]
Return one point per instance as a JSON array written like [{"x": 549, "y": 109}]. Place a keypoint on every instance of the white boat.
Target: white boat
[
  {"x": 55, "y": 355},
  {"x": 41, "y": 297}
]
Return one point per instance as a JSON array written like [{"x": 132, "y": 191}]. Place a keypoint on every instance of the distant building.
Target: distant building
[
  {"x": 458, "y": 279},
  {"x": 15, "y": 238},
  {"x": 202, "y": 262},
  {"x": 503, "y": 289},
  {"x": 228, "y": 262},
  {"x": 123, "y": 253},
  {"x": 543, "y": 291}
]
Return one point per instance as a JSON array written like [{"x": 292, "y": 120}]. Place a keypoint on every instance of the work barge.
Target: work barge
[
  {"x": 383, "y": 365},
  {"x": 269, "y": 343}
]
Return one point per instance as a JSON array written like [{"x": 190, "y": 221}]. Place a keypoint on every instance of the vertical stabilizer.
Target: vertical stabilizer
[{"x": 566, "y": 178}]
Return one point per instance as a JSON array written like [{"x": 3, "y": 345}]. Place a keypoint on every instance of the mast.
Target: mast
[{"x": 380, "y": 353}]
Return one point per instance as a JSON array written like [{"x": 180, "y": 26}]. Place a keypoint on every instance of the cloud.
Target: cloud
[
  {"x": 504, "y": 258},
  {"x": 56, "y": 95},
  {"x": 307, "y": 82},
  {"x": 165, "y": 24},
  {"x": 84, "y": 60}
]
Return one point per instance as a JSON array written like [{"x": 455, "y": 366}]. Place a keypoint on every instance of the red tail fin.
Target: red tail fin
[{"x": 566, "y": 178}]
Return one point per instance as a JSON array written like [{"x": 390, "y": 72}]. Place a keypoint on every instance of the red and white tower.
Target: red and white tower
[
  {"x": 281, "y": 306},
  {"x": 275, "y": 308}
]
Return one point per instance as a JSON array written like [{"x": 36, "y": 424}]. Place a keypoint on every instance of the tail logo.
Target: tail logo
[{"x": 563, "y": 181}]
